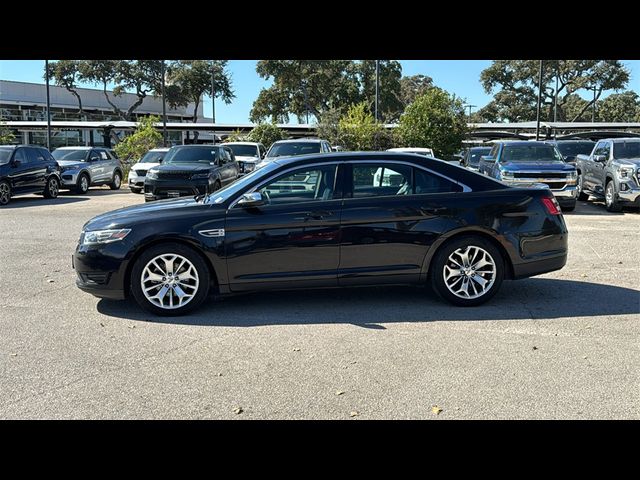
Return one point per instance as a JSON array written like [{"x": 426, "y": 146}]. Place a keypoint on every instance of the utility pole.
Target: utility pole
[
  {"x": 213, "y": 100},
  {"x": 46, "y": 72},
  {"x": 555, "y": 96},
  {"x": 377, "y": 116},
  {"x": 593, "y": 111},
  {"x": 539, "y": 98},
  {"x": 164, "y": 111}
]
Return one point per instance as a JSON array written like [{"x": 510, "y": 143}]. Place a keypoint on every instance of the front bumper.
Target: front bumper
[
  {"x": 162, "y": 189},
  {"x": 69, "y": 178},
  {"x": 135, "y": 180},
  {"x": 100, "y": 272},
  {"x": 246, "y": 167},
  {"x": 632, "y": 195}
]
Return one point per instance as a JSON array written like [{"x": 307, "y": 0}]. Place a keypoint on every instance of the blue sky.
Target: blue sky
[{"x": 456, "y": 76}]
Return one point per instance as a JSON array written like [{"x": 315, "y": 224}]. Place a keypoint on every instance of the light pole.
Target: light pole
[
  {"x": 213, "y": 99},
  {"x": 593, "y": 110},
  {"x": 555, "y": 95},
  {"x": 538, "y": 106},
  {"x": 46, "y": 72},
  {"x": 470, "y": 107},
  {"x": 377, "y": 89},
  {"x": 164, "y": 111}
]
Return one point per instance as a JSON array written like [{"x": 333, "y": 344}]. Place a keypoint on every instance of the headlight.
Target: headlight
[
  {"x": 152, "y": 174},
  {"x": 103, "y": 236},
  {"x": 625, "y": 172},
  {"x": 66, "y": 169},
  {"x": 505, "y": 174},
  {"x": 197, "y": 176},
  {"x": 572, "y": 175}
]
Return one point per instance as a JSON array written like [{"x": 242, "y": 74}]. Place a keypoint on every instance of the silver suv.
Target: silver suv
[{"x": 83, "y": 167}]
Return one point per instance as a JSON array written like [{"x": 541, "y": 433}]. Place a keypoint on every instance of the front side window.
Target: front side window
[
  {"x": 103, "y": 155},
  {"x": 381, "y": 180},
  {"x": 308, "y": 184},
  {"x": 21, "y": 156},
  {"x": 474, "y": 156},
  {"x": 602, "y": 149}
]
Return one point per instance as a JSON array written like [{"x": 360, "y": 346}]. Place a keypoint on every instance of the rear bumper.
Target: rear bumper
[{"x": 540, "y": 266}]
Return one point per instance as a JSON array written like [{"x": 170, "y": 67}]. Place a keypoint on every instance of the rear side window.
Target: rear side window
[
  {"x": 381, "y": 180},
  {"x": 426, "y": 182},
  {"x": 103, "y": 155}
]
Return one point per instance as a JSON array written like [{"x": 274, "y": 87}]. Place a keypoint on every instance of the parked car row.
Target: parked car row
[{"x": 32, "y": 169}]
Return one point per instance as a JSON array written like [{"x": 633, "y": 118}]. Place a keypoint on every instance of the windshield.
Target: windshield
[
  {"x": 291, "y": 149},
  {"x": 75, "y": 155},
  {"x": 225, "y": 193},
  {"x": 152, "y": 157},
  {"x": 205, "y": 155},
  {"x": 244, "y": 150},
  {"x": 5, "y": 155},
  {"x": 626, "y": 149},
  {"x": 575, "y": 148},
  {"x": 530, "y": 153},
  {"x": 476, "y": 153}
]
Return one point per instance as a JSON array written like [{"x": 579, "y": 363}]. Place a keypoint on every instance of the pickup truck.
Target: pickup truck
[
  {"x": 525, "y": 163},
  {"x": 612, "y": 172}
]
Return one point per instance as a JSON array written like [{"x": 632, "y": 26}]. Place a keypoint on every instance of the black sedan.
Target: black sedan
[{"x": 326, "y": 221}]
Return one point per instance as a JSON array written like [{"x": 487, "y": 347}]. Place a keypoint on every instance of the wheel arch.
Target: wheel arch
[
  {"x": 508, "y": 264},
  {"x": 159, "y": 241}
]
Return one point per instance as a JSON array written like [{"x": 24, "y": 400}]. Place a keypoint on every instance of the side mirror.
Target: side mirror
[
  {"x": 250, "y": 200},
  {"x": 160, "y": 160},
  {"x": 94, "y": 159},
  {"x": 488, "y": 158},
  {"x": 599, "y": 158},
  {"x": 15, "y": 163}
]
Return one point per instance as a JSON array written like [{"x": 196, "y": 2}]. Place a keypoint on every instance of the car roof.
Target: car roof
[
  {"x": 159, "y": 150},
  {"x": 216, "y": 145},
  {"x": 77, "y": 148},
  {"x": 521, "y": 143},
  {"x": 572, "y": 140},
  {"x": 410, "y": 149},
  {"x": 10, "y": 146},
  {"x": 301, "y": 140},
  {"x": 255, "y": 144},
  {"x": 624, "y": 139}
]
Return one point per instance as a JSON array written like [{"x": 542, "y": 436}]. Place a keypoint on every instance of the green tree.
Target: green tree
[
  {"x": 515, "y": 83},
  {"x": 143, "y": 139},
  {"x": 434, "y": 120},
  {"x": 236, "y": 136},
  {"x": 574, "y": 108},
  {"x": 358, "y": 129},
  {"x": 412, "y": 87},
  {"x": 329, "y": 127},
  {"x": 311, "y": 88},
  {"x": 619, "y": 107},
  {"x": 6, "y": 135},
  {"x": 65, "y": 73},
  {"x": 265, "y": 133}
]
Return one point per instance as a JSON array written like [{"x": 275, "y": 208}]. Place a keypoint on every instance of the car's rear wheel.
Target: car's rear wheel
[
  {"x": 580, "y": 188},
  {"x": 5, "y": 192},
  {"x": 467, "y": 271},
  {"x": 83, "y": 184},
  {"x": 610, "y": 201},
  {"x": 117, "y": 181},
  {"x": 53, "y": 187},
  {"x": 170, "y": 279}
]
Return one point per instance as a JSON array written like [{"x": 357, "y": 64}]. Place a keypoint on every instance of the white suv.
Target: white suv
[
  {"x": 138, "y": 172},
  {"x": 248, "y": 154}
]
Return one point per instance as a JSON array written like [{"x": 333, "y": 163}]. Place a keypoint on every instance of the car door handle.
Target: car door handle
[
  {"x": 317, "y": 215},
  {"x": 434, "y": 210}
]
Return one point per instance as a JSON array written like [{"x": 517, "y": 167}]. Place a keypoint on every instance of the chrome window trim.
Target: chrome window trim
[{"x": 465, "y": 188}]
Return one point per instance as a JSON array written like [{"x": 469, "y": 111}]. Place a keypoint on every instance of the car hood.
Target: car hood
[
  {"x": 71, "y": 163},
  {"x": 144, "y": 166},
  {"x": 537, "y": 166},
  {"x": 247, "y": 159},
  {"x": 629, "y": 161},
  {"x": 182, "y": 167},
  {"x": 159, "y": 213}
]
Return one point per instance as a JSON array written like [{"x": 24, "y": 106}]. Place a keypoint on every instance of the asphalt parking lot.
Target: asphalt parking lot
[{"x": 559, "y": 346}]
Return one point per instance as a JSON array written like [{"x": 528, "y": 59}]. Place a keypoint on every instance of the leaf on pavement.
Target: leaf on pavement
[
  {"x": 339, "y": 392},
  {"x": 238, "y": 410},
  {"x": 296, "y": 349},
  {"x": 14, "y": 354},
  {"x": 354, "y": 413},
  {"x": 535, "y": 348},
  {"x": 435, "y": 409}
]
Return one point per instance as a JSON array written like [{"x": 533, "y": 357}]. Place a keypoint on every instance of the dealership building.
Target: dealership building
[{"x": 23, "y": 101}]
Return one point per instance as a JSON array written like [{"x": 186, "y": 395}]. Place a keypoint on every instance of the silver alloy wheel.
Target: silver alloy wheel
[
  {"x": 84, "y": 184},
  {"x": 169, "y": 281},
  {"x": 469, "y": 272},
  {"x": 5, "y": 193},
  {"x": 608, "y": 195},
  {"x": 53, "y": 187},
  {"x": 116, "y": 180},
  {"x": 579, "y": 185}
]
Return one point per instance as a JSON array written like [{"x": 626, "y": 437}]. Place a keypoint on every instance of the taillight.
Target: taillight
[{"x": 551, "y": 204}]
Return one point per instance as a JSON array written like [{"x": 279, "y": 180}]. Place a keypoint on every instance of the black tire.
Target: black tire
[
  {"x": 83, "y": 184},
  {"x": 216, "y": 186},
  {"x": 441, "y": 259},
  {"x": 581, "y": 195},
  {"x": 569, "y": 207},
  {"x": 136, "y": 190},
  {"x": 116, "y": 183},
  {"x": 192, "y": 256},
  {"x": 52, "y": 188},
  {"x": 5, "y": 193},
  {"x": 610, "y": 200}
]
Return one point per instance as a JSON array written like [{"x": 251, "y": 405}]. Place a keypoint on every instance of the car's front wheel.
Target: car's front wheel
[
  {"x": 117, "y": 181},
  {"x": 580, "y": 188},
  {"x": 170, "y": 279},
  {"x": 83, "y": 184},
  {"x": 610, "y": 200},
  {"x": 5, "y": 192},
  {"x": 467, "y": 271},
  {"x": 53, "y": 188}
]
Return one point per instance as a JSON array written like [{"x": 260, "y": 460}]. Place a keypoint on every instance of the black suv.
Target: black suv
[
  {"x": 191, "y": 170},
  {"x": 27, "y": 169}
]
